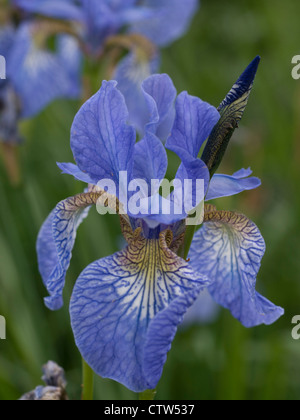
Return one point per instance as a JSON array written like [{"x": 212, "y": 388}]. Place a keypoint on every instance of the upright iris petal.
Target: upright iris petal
[
  {"x": 150, "y": 147},
  {"x": 194, "y": 122},
  {"x": 101, "y": 140},
  {"x": 130, "y": 74},
  {"x": 229, "y": 249}
]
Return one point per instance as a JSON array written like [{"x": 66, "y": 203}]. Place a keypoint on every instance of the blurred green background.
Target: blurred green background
[{"x": 221, "y": 360}]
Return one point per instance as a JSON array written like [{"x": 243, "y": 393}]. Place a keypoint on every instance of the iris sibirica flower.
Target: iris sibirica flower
[
  {"x": 35, "y": 74},
  {"x": 161, "y": 21},
  {"x": 125, "y": 308},
  {"x": 142, "y": 27}
]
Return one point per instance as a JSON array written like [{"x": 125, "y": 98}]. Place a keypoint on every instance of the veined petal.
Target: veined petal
[
  {"x": 229, "y": 249},
  {"x": 71, "y": 169},
  {"x": 101, "y": 140},
  {"x": 226, "y": 186},
  {"x": 120, "y": 302},
  {"x": 161, "y": 333},
  {"x": 170, "y": 20},
  {"x": 56, "y": 241},
  {"x": 151, "y": 150},
  {"x": 194, "y": 122},
  {"x": 193, "y": 171}
]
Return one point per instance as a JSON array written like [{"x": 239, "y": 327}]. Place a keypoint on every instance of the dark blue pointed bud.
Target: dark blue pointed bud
[{"x": 231, "y": 111}]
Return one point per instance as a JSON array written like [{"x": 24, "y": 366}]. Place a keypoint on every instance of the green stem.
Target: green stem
[
  {"x": 88, "y": 382},
  {"x": 189, "y": 235},
  {"x": 147, "y": 395}
]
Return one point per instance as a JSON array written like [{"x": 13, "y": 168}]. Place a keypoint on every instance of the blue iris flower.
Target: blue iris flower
[
  {"x": 161, "y": 21},
  {"x": 35, "y": 75},
  {"x": 125, "y": 308}
]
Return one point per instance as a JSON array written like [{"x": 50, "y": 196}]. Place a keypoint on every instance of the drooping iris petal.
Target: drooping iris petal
[
  {"x": 49, "y": 75},
  {"x": 56, "y": 241},
  {"x": 229, "y": 249},
  {"x": 193, "y": 124},
  {"x": 71, "y": 169},
  {"x": 60, "y": 9},
  {"x": 226, "y": 186},
  {"x": 130, "y": 74},
  {"x": 101, "y": 140},
  {"x": 170, "y": 20},
  {"x": 161, "y": 334},
  {"x": 117, "y": 305}
]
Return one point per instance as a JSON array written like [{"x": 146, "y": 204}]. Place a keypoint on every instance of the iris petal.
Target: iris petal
[
  {"x": 160, "y": 94},
  {"x": 151, "y": 150},
  {"x": 193, "y": 170},
  {"x": 56, "y": 241},
  {"x": 229, "y": 249},
  {"x": 101, "y": 140},
  {"x": 49, "y": 75},
  {"x": 194, "y": 122},
  {"x": 60, "y": 9},
  {"x": 130, "y": 73},
  {"x": 71, "y": 169},
  {"x": 226, "y": 186},
  {"x": 120, "y": 302},
  {"x": 170, "y": 20}
]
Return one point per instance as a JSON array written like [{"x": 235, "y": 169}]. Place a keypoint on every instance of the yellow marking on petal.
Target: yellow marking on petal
[{"x": 237, "y": 220}]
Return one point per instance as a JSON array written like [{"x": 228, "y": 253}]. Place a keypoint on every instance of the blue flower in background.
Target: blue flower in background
[
  {"x": 125, "y": 308},
  {"x": 161, "y": 21},
  {"x": 151, "y": 23},
  {"x": 35, "y": 75}
]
